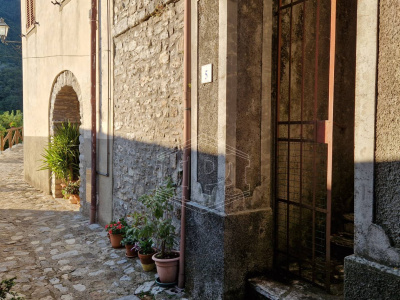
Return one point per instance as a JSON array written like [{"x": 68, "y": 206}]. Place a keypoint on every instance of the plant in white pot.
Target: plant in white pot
[{"x": 160, "y": 210}]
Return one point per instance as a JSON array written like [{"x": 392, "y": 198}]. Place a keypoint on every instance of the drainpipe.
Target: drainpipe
[
  {"x": 186, "y": 139},
  {"x": 93, "y": 28}
]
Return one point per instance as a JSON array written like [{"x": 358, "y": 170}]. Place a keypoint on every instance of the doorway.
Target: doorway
[
  {"x": 314, "y": 138},
  {"x": 65, "y": 106}
]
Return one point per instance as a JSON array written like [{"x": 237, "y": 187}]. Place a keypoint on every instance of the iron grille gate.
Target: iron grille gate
[{"x": 304, "y": 118}]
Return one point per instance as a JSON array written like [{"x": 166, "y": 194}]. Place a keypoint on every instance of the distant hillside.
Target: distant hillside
[{"x": 10, "y": 59}]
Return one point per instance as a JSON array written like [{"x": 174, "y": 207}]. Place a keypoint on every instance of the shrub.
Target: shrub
[
  {"x": 62, "y": 155},
  {"x": 72, "y": 188},
  {"x": 8, "y": 120},
  {"x": 159, "y": 219}
]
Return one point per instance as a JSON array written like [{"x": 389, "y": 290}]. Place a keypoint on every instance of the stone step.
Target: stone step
[
  {"x": 343, "y": 239},
  {"x": 261, "y": 288}
]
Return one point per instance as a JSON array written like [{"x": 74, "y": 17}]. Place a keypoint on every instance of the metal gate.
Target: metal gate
[{"x": 304, "y": 118}]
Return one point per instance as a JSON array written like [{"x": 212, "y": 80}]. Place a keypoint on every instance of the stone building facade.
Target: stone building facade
[{"x": 234, "y": 218}]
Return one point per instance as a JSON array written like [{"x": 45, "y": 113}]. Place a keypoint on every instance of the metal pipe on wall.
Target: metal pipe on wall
[
  {"x": 100, "y": 68},
  {"x": 186, "y": 140},
  {"x": 93, "y": 28}
]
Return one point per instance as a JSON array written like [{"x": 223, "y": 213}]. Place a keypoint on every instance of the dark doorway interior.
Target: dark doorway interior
[{"x": 314, "y": 165}]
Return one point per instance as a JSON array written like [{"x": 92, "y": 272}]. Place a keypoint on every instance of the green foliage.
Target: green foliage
[
  {"x": 141, "y": 231},
  {"x": 62, "y": 155},
  {"x": 8, "y": 120},
  {"x": 145, "y": 246},
  {"x": 159, "y": 218},
  {"x": 72, "y": 188},
  {"x": 10, "y": 88},
  {"x": 129, "y": 239},
  {"x": 10, "y": 59},
  {"x": 133, "y": 233},
  {"x": 5, "y": 290}
]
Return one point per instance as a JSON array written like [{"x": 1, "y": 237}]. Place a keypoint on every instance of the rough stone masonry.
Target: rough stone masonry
[{"x": 148, "y": 116}]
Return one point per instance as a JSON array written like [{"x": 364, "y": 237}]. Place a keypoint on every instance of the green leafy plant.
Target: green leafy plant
[
  {"x": 72, "y": 188},
  {"x": 144, "y": 245},
  {"x": 5, "y": 290},
  {"x": 128, "y": 239},
  {"x": 62, "y": 155},
  {"x": 141, "y": 231},
  {"x": 159, "y": 207},
  {"x": 9, "y": 120}
]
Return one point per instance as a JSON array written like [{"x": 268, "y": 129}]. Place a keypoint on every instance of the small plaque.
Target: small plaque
[{"x": 206, "y": 73}]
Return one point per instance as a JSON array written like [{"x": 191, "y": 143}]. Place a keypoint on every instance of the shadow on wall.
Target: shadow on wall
[{"x": 139, "y": 167}]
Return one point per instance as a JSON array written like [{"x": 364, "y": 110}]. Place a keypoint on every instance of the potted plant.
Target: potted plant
[
  {"x": 63, "y": 191},
  {"x": 62, "y": 155},
  {"x": 129, "y": 242},
  {"x": 144, "y": 245},
  {"x": 132, "y": 236},
  {"x": 116, "y": 232},
  {"x": 160, "y": 210},
  {"x": 145, "y": 251},
  {"x": 72, "y": 190}
]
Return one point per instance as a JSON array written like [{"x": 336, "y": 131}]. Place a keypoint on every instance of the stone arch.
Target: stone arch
[
  {"x": 65, "y": 88},
  {"x": 65, "y": 105}
]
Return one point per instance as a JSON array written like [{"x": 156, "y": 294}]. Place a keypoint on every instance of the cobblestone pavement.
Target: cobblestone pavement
[{"x": 54, "y": 252}]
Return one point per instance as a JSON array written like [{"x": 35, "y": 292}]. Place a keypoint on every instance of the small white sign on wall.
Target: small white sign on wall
[{"x": 206, "y": 73}]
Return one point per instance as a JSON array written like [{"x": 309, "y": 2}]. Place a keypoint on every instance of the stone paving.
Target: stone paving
[{"x": 54, "y": 252}]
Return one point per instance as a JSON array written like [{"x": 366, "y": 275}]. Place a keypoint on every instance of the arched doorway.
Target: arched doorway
[{"x": 65, "y": 106}]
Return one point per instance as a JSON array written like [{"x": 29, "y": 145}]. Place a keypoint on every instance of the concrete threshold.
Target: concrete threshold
[{"x": 267, "y": 288}]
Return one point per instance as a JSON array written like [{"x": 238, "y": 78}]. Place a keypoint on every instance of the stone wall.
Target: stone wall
[
  {"x": 372, "y": 271},
  {"x": 387, "y": 155},
  {"x": 208, "y": 46},
  {"x": 229, "y": 221},
  {"x": 148, "y": 114},
  {"x": 248, "y": 122}
]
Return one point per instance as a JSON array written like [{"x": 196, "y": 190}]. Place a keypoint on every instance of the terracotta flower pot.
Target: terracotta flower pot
[
  {"x": 129, "y": 252},
  {"x": 147, "y": 261},
  {"x": 74, "y": 199},
  {"x": 115, "y": 240},
  {"x": 167, "y": 268}
]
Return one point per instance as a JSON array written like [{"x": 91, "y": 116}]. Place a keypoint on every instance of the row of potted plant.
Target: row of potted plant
[{"x": 151, "y": 234}]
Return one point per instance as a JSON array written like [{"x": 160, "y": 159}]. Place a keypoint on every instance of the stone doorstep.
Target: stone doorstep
[{"x": 267, "y": 288}]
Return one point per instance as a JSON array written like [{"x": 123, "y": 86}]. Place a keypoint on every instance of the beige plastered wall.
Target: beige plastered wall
[{"x": 61, "y": 42}]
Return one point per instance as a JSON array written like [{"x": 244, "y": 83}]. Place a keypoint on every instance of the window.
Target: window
[{"x": 30, "y": 14}]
